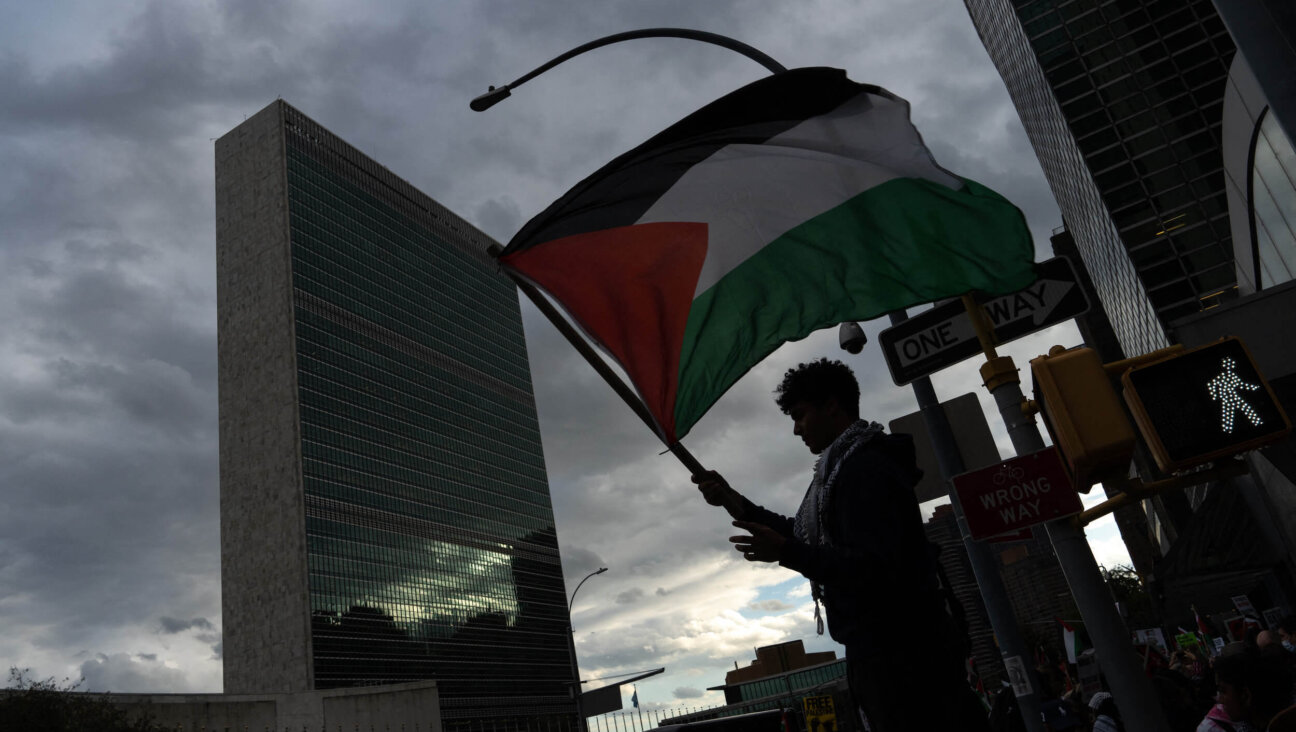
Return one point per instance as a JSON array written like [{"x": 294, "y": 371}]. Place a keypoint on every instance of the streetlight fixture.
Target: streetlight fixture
[{"x": 571, "y": 645}]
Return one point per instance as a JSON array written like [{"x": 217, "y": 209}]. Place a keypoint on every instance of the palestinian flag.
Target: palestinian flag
[
  {"x": 977, "y": 683},
  {"x": 1205, "y": 632},
  {"x": 1071, "y": 642},
  {"x": 793, "y": 204},
  {"x": 1201, "y": 624}
]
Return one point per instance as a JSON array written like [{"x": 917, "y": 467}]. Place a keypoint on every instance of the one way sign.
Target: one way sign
[{"x": 943, "y": 336}]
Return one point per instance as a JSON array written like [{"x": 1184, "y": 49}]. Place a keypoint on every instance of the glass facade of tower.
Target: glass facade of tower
[
  {"x": 431, "y": 548},
  {"x": 1122, "y": 102},
  {"x": 1273, "y": 203}
]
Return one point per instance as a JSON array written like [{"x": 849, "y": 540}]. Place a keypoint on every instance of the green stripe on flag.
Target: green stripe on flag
[{"x": 905, "y": 242}]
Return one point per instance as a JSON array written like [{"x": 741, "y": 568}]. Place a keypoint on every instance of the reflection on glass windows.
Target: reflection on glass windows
[
  {"x": 431, "y": 548},
  {"x": 1274, "y": 203},
  {"x": 1122, "y": 103}
]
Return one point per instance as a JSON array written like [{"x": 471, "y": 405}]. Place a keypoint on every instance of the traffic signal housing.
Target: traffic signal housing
[
  {"x": 1083, "y": 414},
  {"x": 1202, "y": 404}
]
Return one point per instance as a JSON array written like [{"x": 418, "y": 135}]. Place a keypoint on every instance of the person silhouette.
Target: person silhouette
[{"x": 858, "y": 537}]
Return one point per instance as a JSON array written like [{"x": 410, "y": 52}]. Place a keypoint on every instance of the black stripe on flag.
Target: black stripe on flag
[{"x": 620, "y": 192}]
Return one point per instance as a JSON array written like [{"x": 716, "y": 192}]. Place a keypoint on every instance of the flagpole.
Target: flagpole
[{"x": 583, "y": 347}]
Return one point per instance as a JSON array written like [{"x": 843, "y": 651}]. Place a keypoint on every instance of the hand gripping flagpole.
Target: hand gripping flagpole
[{"x": 585, "y": 350}]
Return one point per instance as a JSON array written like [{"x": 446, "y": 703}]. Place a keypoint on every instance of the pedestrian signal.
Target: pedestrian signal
[{"x": 1202, "y": 404}]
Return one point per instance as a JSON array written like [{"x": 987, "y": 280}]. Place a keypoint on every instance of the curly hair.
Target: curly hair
[{"x": 817, "y": 382}]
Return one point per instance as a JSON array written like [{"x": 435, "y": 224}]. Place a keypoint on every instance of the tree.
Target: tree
[
  {"x": 30, "y": 705},
  {"x": 1127, "y": 587}
]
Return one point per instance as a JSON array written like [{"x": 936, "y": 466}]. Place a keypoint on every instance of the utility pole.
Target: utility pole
[{"x": 1133, "y": 692}]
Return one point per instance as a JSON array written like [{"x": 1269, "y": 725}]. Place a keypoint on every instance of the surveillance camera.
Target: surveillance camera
[{"x": 851, "y": 336}]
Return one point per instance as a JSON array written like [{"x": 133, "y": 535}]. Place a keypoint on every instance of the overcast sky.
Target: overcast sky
[{"x": 109, "y": 531}]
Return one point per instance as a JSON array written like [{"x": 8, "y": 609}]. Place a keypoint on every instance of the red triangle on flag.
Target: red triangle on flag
[{"x": 631, "y": 289}]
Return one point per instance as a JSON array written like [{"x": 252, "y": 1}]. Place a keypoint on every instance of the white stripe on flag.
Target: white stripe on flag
[
  {"x": 1069, "y": 640},
  {"x": 749, "y": 195}
]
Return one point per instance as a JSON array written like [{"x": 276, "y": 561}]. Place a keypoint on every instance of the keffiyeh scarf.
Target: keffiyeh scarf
[{"x": 808, "y": 526}]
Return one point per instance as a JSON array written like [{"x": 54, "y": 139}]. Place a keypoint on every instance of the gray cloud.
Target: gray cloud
[
  {"x": 174, "y": 625},
  {"x": 108, "y": 513},
  {"x": 770, "y": 606},
  {"x": 127, "y": 673},
  {"x": 578, "y": 562},
  {"x": 629, "y": 596},
  {"x": 499, "y": 218},
  {"x": 687, "y": 692}
]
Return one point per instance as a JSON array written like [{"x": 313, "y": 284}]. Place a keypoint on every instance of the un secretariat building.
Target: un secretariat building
[{"x": 385, "y": 512}]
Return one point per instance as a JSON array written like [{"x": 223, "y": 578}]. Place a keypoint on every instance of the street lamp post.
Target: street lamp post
[
  {"x": 571, "y": 646},
  {"x": 495, "y": 95}
]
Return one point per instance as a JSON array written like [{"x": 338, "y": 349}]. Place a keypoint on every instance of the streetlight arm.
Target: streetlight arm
[
  {"x": 600, "y": 570},
  {"x": 496, "y": 95}
]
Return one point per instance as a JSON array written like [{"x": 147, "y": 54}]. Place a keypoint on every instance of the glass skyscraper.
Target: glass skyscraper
[
  {"x": 1122, "y": 102},
  {"x": 1176, "y": 188},
  {"x": 385, "y": 510},
  {"x": 1272, "y": 214}
]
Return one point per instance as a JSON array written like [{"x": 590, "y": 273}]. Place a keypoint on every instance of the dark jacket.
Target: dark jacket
[{"x": 880, "y": 586}]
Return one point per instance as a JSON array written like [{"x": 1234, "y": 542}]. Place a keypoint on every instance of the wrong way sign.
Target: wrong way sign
[
  {"x": 944, "y": 335},
  {"x": 1016, "y": 493}
]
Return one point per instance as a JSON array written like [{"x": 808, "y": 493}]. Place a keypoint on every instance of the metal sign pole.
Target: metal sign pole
[
  {"x": 1133, "y": 692},
  {"x": 985, "y": 566}
]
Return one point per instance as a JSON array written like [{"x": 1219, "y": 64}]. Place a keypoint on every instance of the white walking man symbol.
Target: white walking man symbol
[{"x": 1224, "y": 389}]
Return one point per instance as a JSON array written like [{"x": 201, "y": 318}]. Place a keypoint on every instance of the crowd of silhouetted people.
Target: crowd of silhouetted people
[{"x": 1248, "y": 686}]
